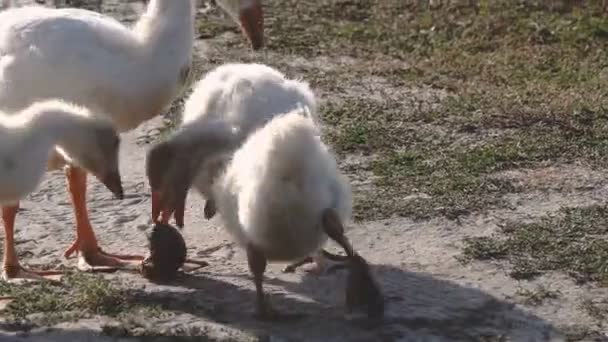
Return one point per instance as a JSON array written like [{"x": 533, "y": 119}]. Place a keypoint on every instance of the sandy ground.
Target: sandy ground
[{"x": 430, "y": 295}]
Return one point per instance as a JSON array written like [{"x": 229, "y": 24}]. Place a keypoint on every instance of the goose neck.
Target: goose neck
[{"x": 167, "y": 26}]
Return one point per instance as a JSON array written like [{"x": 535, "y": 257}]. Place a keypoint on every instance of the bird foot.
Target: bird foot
[
  {"x": 198, "y": 264},
  {"x": 17, "y": 274},
  {"x": 315, "y": 267},
  {"x": 100, "y": 261}
]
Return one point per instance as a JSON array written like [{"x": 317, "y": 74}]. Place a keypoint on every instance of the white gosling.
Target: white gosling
[
  {"x": 242, "y": 96},
  {"x": 282, "y": 195},
  {"x": 27, "y": 141},
  {"x": 129, "y": 73}
]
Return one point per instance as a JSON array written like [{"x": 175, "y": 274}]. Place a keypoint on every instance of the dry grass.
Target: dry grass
[
  {"x": 439, "y": 100},
  {"x": 574, "y": 241},
  {"x": 79, "y": 295}
]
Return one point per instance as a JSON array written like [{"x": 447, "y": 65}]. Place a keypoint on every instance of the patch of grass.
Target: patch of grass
[
  {"x": 215, "y": 23},
  {"x": 449, "y": 176},
  {"x": 537, "y": 296},
  {"x": 580, "y": 333},
  {"x": 443, "y": 98},
  {"x": 453, "y": 171},
  {"x": 180, "y": 333},
  {"x": 508, "y": 58},
  {"x": 78, "y": 293},
  {"x": 483, "y": 248},
  {"x": 574, "y": 241},
  {"x": 541, "y": 96},
  {"x": 360, "y": 125},
  {"x": 596, "y": 309}
]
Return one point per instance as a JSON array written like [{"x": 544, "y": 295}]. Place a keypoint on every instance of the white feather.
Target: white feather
[
  {"x": 28, "y": 137},
  {"x": 80, "y": 56},
  {"x": 244, "y": 96},
  {"x": 274, "y": 190}
]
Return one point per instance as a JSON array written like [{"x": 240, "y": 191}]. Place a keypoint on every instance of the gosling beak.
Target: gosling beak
[
  {"x": 179, "y": 213},
  {"x": 162, "y": 209},
  {"x": 156, "y": 208},
  {"x": 165, "y": 216},
  {"x": 160, "y": 214},
  {"x": 252, "y": 24},
  {"x": 113, "y": 182}
]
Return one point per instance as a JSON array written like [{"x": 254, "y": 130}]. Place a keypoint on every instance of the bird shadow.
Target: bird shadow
[{"x": 418, "y": 306}]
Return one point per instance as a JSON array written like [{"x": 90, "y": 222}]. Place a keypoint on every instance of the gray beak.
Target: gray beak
[{"x": 113, "y": 182}]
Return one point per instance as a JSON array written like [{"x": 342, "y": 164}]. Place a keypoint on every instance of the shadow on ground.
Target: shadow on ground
[{"x": 419, "y": 307}]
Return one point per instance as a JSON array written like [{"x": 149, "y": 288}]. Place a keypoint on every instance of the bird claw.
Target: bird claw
[{"x": 17, "y": 274}]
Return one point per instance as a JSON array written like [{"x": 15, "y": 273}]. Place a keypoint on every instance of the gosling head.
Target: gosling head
[
  {"x": 169, "y": 173},
  {"x": 172, "y": 165},
  {"x": 99, "y": 155},
  {"x": 84, "y": 139}
]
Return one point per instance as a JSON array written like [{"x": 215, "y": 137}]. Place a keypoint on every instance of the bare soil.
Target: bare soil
[{"x": 445, "y": 147}]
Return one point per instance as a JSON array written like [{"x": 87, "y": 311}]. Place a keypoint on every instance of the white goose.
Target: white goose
[
  {"x": 281, "y": 194},
  {"x": 90, "y": 59},
  {"x": 27, "y": 140},
  {"x": 244, "y": 97}
]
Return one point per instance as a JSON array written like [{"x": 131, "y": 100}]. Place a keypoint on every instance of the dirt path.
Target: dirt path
[{"x": 431, "y": 296}]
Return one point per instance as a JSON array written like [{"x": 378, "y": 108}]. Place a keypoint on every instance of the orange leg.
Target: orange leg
[
  {"x": 12, "y": 269},
  {"x": 86, "y": 242}
]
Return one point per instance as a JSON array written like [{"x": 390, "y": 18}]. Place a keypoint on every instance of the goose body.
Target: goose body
[
  {"x": 23, "y": 158},
  {"x": 127, "y": 74},
  {"x": 93, "y": 60}
]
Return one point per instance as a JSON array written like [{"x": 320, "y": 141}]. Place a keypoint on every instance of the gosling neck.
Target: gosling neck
[{"x": 61, "y": 125}]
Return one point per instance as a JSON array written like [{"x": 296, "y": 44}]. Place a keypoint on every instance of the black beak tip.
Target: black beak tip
[
  {"x": 257, "y": 45},
  {"x": 118, "y": 191}
]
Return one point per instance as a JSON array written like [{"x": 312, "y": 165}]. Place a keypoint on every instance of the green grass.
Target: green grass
[
  {"x": 77, "y": 296},
  {"x": 574, "y": 241},
  {"x": 442, "y": 99},
  {"x": 483, "y": 248},
  {"x": 524, "y": 85},
  {"x": 537, "y": 296},
  {"x": 456, "y": 171}
]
